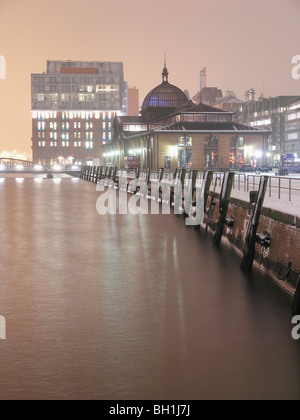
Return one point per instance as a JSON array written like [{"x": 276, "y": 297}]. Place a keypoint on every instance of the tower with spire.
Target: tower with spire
[{"x": 165, "y": 73}]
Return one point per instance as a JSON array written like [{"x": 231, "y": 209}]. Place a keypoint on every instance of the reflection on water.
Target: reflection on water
[{"x": 131, "y": 307}]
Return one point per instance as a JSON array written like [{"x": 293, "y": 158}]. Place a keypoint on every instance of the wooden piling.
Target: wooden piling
[
  {"x": 249, "y": 250},
  {"x": 224, "y": 204}
]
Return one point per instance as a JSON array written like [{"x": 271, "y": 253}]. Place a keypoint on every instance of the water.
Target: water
[{"x": 131, "y": 307}]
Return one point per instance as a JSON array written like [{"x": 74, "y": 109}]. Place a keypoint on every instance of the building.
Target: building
[
  {"x": 73, "y": 108},
  {"x": 280, "y": 116},
  {"x": 229, "y": 102},
  {"x": 174, "y": 132},
  {"x": 133, "y": 102}
]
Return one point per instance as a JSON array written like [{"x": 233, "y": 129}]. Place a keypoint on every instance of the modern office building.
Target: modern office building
[
  {"x": 281, "y": 116},
  {"x": 73, "y": 108},
  {"x": 174, "y": 132}
]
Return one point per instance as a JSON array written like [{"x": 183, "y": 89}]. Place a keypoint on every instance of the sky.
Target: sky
[{"x": 244, "y": 44}]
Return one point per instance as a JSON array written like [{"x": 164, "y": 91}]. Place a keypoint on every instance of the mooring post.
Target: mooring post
[
  {"x": 179, "y": 188},
  {"x": 159, "y": 188},
  {"x": 224, "y": 204},
  {"x": 188, "y": 201},
  {"x": 208, "y": 177},
  {"x": 147, "y": 182},
  {"x": 249, "y": 251},
  {"x": 296, "y": 302}
]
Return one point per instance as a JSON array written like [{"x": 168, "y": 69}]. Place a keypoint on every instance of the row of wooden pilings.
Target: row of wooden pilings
[{"x": 97, "y": 174}]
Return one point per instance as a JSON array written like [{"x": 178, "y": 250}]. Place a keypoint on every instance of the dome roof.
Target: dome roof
[{"x": 163, "y": 99}]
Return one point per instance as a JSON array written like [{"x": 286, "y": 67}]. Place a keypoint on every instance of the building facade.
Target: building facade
[
  {"x": 174, "y": 132},
  {"x": 281, "y": 116},
  {"x": 73, "y": 108}
]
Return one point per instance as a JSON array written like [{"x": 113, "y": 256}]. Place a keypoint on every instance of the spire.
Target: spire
[{"x": 165, "y": 73}]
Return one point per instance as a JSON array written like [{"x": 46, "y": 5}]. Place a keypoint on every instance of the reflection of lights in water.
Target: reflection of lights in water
[
  {"x": 19, "y": 167},
  {"x": 2, "y": 180},
  {"x": 2, "y": 167},
  {"x": 57, "y": 180},
  {"x": 19, "y": 180},
  {"x": 38, "y": 180},
  {"x": 75, "y": 179},
  {"x": 38, "y": 167}
]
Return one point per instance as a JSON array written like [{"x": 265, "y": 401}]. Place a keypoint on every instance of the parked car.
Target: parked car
[
  {"x": 263, "y": 168},
  {"x": 246, "y": 168}
]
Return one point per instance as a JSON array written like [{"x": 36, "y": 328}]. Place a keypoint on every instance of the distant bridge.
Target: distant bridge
[
  {"x": 20, "y": 165},
  {"x": 12, "y": 164}
]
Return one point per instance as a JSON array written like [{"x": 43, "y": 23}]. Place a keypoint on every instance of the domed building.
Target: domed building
[
  {"x": 173, "y": 132},
  {"x": 163, "y": 100}
]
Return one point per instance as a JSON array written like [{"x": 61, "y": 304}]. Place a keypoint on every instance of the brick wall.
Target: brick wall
[{"x": 284, "y": 230}]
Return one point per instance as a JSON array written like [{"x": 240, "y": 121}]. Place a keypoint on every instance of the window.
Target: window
[
  {"x": 79, "y": 125},
  {"x": 211, "y": 152},
  {"x": 185, "y": 141},
  {"x": 75, "y": 135},
  {"x": 39, "y": 135},
  {"x": 89, "y": 145},
  {"x": 75, "y": 124},
  {"x": 104, "y": 126}
]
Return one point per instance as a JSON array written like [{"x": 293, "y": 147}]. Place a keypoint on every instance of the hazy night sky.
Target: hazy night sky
[{"x": 242, "y": 43}]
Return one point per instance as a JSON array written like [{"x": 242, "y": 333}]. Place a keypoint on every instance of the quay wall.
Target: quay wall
[{"x": 284, "y": 231}]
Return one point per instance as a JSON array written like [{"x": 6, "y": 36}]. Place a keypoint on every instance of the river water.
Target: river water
[{"x": 131, "y": 307}]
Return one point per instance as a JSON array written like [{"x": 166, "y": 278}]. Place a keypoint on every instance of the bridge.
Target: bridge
[{"x": 20, "y": 165}]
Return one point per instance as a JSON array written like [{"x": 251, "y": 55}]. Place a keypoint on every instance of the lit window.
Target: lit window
[
  {"x": 104, "y": 126},
  {"x": 39, "y": 135},
  {"x": 79, "y": 144},
  {"x": 67, "y": 126},
  {"x": 91, "y": 125},
  {"x": 67, "y": 136},
  {"x": 83, "y": 115},
  {"x": 43, "y": 144},
  {"x": 97, "y": 115},
  {"x": 104, "y": 116},
  {"x": 75, "y": 135},
  {"x": 79, "y": 125},
  {"x": 39, "y": 125},
  {"x": 51, "y": 125},
  {"x": 91, "y": 135},
  {"x": 87, "y": 136},
  {"x": 109, "y": 126},
  {"x": 63, "y": 136},
  {"x": 79, "y": 135},
  {"x": 104, "y": 136},
  {"x": 63, "y": 144},
  {"x": 40, "y": 144},
  {"x": 63, "y": 126},
  {"x": 43, "y": 125},
  {"x": 109, "y": 115},
  {"x": 55, "y": 136},
  {"x": 75, "y": 124},
  {"x": 71, "y": 115},
  {"x": 75, "y": 143},
  {"x": 51, "y": 143},
  {"x": 109, "y": 136},
  {"x": 47, "y": 115},
  {"x": 67, "y": 144}
]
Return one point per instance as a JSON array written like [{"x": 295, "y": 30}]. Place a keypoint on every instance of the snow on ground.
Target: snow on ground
[{"x": 283, "y": 193}]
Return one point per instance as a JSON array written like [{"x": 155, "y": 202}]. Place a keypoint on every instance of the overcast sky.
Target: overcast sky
[{"x": 242, "y": 43}]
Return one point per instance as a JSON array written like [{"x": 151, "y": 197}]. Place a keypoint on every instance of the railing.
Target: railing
[
  {"x": 278, "y": 187},
  {"x": 286, "y": 188}
]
